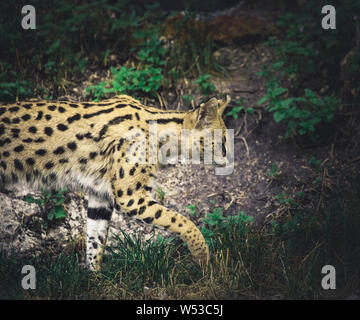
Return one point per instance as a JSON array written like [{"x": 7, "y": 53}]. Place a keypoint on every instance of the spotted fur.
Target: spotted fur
[{"x": 82, "y": 146}]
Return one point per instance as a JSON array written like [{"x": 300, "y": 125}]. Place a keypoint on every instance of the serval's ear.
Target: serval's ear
[{"x": 222, "y": 104}]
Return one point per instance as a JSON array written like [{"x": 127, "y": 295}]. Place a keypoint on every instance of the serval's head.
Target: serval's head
[{"x": 207, "y": 126}]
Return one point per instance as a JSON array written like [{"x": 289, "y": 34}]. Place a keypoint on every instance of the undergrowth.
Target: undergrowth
[
  {"x": 282, "y": 260},
  {"x": 304, "y": 52}
]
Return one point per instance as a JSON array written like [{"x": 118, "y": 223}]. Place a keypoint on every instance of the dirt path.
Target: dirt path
[{"x": 258, "y": 146}]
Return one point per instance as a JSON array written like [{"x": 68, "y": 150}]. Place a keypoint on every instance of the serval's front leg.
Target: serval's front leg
[{"x": 138, "y": 204}]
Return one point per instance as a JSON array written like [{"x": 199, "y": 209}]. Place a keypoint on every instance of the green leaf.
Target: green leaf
[
  {"x": 207, "y": 233},
  {"x": 263, "y": 99},
  {"x": 59, "y": 212},
  {"x": 51, "y": 215},
  {"x": 279, "y": 115},
  {"x": 277, "y": 65},
  {"x": 278, "y": 91},
  {"x": 30, "y": 200},
  {"x": 250, "y": 110}
]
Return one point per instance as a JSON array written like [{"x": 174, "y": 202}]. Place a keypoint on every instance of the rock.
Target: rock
[
  {"x": 22, "y": 230},
  {"x": 14, "y": 238}
]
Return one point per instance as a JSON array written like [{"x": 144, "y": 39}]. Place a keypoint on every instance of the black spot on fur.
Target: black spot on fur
[
  {"x": 132, "y": 212},
  {"x": 149, "y": 219},
  {"x": 26, "y": 117},
  {"x": 14, "y": 109},
  {"x": 30, "y": 161},
  {"x": 73, "y": 118},
  {"x": 5, "y": 141},
  {"x": 120, "y": 144},
  {"x": 19, "y": 148},
  {"x": 83, "y": 161},
  {"x": 15, "y": 132},
  {"x": 18, "y": 165},
  {"x": 49, "y": 165},
  {"x": 48, "y": 131},
  {"x": 158, "y": 214},
  {"x": 3, "y": 165},
  {"x": 39, "y": 116},
  {"x": 40, "y": 152},
  {"x": 14, "y": 177},
  {"x": 121, "y": 173},
  {"x": 79, "y": 136},
  {"x": 62, "y": 127},
  {"x": 92, "y": 155},
  {"x": 142, "y": 209},
  {"x": 59, "y": 150},
  {"x": 33, "y": 129},
  {"x": 72, "y": 146}
]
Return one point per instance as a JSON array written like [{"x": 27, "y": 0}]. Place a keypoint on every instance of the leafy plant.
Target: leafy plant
[
  {"x": 188, "y": 97},
  {"x": 285, "y": 199},
  {"x": 160, "y": 193},
  {"x": 274, "y": 172},
  {"x": 52, "y": 203},
  {"x": 216, "y": 222},
  {"x": 315, "y": 163},
  {"x": 236, "y": 110},
  {"x": 192, "y": 209},
  {"x": 301, "y": 114},
  {"x": 205, "y": 87},
  {"x": 146, "y": 78}
]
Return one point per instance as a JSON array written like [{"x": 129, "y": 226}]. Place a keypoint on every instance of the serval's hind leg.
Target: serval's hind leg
[{"x": 98, "y": 218}]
